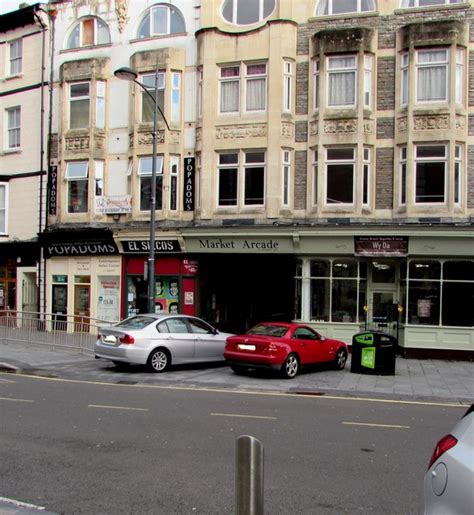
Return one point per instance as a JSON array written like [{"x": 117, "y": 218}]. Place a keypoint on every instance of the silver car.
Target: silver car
[
  {"x": 449, "y": 481},
  {"x": 159, "y": 340}
]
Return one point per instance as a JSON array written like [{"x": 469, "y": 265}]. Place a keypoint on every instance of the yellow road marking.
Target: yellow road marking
[
  {"x": 115, "y": 407},
  {"x": 459, "y": 404},
  {"x": 241, "y": 416},
  {"x": 15, "y": 400},
  {"x": 394, "y": 426}
]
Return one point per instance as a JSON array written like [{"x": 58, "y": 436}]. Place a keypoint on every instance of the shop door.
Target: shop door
[
  {"x": 81, "y": 307},
  {"x": 60, "y": 307},
  {"x": 382, "y": 311}
]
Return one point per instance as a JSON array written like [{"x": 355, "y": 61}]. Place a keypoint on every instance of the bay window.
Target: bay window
[
  {"x": 286, "y": 177},
  {"x": 147, "y": 103},
  {"x": 458, "y": 171},
  {"x": 145, "y": 165},
  {"x": 459, "y": 86},
  {"x": 366, "y": 177},
  {"x": 79, "y": 105},
  {"x": 3, "y": 207},
  {"x": 404, "y": 78},
  {"x": 403, "y": 176},
  {"x": 256, "y": 86},
  {"x": 229, "y": 89},
  {"x": 430, "y": 174},
  {"x": 175, "y": 96},
  {"x": 99, "y": 178},
  {"x": 287, "y": 85},
  {"x": 316, "y": 82},
  {"x": 432, "y": 75},
  {"x": 174, "y": 175},
  {"x": 77, "y": 177},
  {"x": 340, "y": 173},
  {"x": 342, "y": 80},
  {"x": 368, "y": 65},
  {"x": 315, "y": 177}
]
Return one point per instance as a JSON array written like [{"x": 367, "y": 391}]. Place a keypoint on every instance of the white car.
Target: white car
[
  {"x": 449, "y": 481},
  {"x": 159, "y": 340}
]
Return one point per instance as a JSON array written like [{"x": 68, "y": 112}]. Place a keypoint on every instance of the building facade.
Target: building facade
[{"x": 318, "y": 165}]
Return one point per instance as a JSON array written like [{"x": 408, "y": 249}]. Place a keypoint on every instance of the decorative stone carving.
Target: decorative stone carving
[
  {"x": 402, "y": 124},
  {"x": 174, "y": 137},
  {"x": 460, "y": 122},
  {"x": 340, "y": 126},
  {"x": 368, "y": 126},
  {"x": 121, "y": 10},
  {"x": 241, "y": 131},
  {"x": 99, "y": 140},
  {"x": 199, "y": 134},
  {"x": 77, "y": 143},
  {"x": 287, "y": 130},
  {"x": 146, "y": 138},
  {"x": 429, "y": 123},
  {"x": 313, "y": 128}
]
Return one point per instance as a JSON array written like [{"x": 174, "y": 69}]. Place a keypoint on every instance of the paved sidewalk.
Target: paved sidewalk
[{"x": 414, "y": 379}]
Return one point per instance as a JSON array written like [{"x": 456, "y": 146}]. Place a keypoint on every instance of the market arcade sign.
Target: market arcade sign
[{"x": 381, "y": 246}]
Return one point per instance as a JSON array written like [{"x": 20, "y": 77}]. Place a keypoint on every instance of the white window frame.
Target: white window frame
[
  {"x": 459, "y": 81},
  {"x": 254, "y": 77},
  {"x": 287, "y": 85},
  {"x": 148, "y": 173},
  {"x": 200, "y": 75},
  {"x": 443, "y": 159},
  {"x": 458, "y": 174},
  {"x": 78, "y": 99},
  {"x": 4, "y": 208},
  {"x": 404, "y": 78},
  {"x": 71, "y": 175},
  {"x": 259, "y": 164},
  {"x": 403, "y": 176},
  {"x": 174, "y": 178},
  {"x": 151, "y": 21},
  {"x": 368, "y": 73},
  {"x": 437, "y": 64},
  {"x": 226, "y": 166},
  {"x": 175, "y": 96},
  {"x": 226, "y": 80},
  {"x": 235, "y": 7},
  {"x": 328, "y": 162},
  {"x": 16, "y": 56},
  {"x": 366, "y": 176},
  {"x": 286, "y": 178},
  {"x": 148, "y": 81},
  {"x": 341, "y": 70},
  {"x": 325, "y": 8},
  {"x": 99, "y": 178},
  {"x": 13, "y": 114},
  {"x": 316, "y": 84},
  {"x": 80, "y": 25},
  {"x": 405, "y": 4},
  {"x": 100, "y": 105},
  {"x": 315, "y": 164}
]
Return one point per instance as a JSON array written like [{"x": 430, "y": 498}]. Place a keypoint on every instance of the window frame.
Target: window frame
[
  {"x": 419, "y": 66},
  {"x": 334, "y": 162},
  {"x": 4, "y": 208},
  {"x": 286, "y": 178},
  {"x": 316, "y": 83},
  {"x": 72, "y": 99},
  {"x": 343, "y": 70},
  {"x": 403, "y": 176},
  {"x": 425, "y": 160},
  {"x": 404, "y": 78},
  {"x": 15, "y": 50},
  {"x": 71, "y": 180},
  {"x": 13, "y": 136},
  {"x": 458, "y": 174},
  {"x": 174, "y": 183},
  {"x": 151, "y": 21},
  {"x": 327, "y": 5},
  {"x": 434, "y": 4},
  {"x": 366, "y": 176},
  {"x": 145, "y": 98},
  {"x": 460, "y": 67},
  {"x": 95, "y": 36},
  {"x": 147, "y": 174},
  {"x": 248, "y": 78},
  {"x": 314, "y": 167},
  {"x": 368, "y": 80},
  {"x": 287, "y": 85},
  {"x": 226, "y": 80},
  {"x": 235, "y": 9}
]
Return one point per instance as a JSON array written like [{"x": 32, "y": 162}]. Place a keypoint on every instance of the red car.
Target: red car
[{"x": 284, "y": 347}]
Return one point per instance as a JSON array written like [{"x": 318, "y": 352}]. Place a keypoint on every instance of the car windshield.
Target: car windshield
[
  {"x": 269, "y": 330},
  {"x": 138, "y": 322}
]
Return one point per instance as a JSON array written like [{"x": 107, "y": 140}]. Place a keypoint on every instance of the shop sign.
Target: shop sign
[
  {"x": 59, "y": 278},
  {"x": 80, "y": 248},
  {"x": 189, "y": 178},
  {"x": 113, "y": 204},
  {"x": 250, "y": 244},
  {"x": 381, "y": 245},
  {"x": 52, "y": 189},
  {"x": 190, "y": 266},
  {"x": 141, "y": 246}
]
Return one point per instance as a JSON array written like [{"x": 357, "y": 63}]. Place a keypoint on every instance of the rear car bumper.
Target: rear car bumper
[
  {"x": 254, "y": 360},
  {"x": 124, "y": 353}
]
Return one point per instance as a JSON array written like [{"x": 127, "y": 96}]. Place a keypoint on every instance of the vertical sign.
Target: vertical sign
[
  {"x": 52, "y": 189},
  {"x": 189, "y": 169}
]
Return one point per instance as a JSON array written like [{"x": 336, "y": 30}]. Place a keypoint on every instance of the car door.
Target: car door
[
  {"x": 209, "y": 346},
  {"x": 308, "y": 345},
  {"x": 175, "y": 335}
]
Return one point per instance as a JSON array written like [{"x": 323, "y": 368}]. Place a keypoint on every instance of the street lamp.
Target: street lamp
[{"x": 130, "y": 74}]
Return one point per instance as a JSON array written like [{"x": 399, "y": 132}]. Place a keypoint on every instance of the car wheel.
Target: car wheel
[
  {"x": 341, "y": 358},
  {"x": 290, "y": 366},
  {"x": 159, "y": 360},
  {"x": 238, "y": 369}
]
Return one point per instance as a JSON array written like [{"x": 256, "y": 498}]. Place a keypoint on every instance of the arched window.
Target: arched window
[
  {"x": 88, "y": 32},
  {"x": 328, "y": 7},
  {"x": 161, "y": 19},
  {"x": 425, "y": 3},
  {"x": 245, "y": 12}
]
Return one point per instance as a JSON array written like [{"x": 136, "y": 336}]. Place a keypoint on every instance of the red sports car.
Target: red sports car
[{"x": 284, "y": 347}]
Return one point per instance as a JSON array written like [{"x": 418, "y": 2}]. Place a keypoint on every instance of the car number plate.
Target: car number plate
[
  {"x": 109, "y": 340},
  {"x": 242, "y": 346}
]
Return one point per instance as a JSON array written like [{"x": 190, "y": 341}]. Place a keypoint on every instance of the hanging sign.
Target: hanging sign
[
  {"x": 381, "y": 245},
  {"x": 189, "y": 181},
  {"x": 52, "y": 189}
]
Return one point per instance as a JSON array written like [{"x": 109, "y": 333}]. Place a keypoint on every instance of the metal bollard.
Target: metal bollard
[{"x": 249, "y": 476}]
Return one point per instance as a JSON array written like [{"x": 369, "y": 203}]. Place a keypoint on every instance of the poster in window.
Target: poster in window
[
  {"x": 108, "y": 301},
  {"x": 423, "y": 308}
]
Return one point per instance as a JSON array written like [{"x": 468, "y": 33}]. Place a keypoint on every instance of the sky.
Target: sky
[{"x": 12, "y": 5}]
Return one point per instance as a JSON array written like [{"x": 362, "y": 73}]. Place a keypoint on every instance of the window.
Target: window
[
  {"x": 100, "y": 105},
  {"x": 253, "y": 171},
  {"x": 458, "y": 283},
  {"x": 430, "y": 174},
  {"x": 16, "y": 53},
  {"x": 229, "y": 89},
  {"x": 77, "y": 173},
  {"x": 368, "y": 64},
  {"x": 79, "y": 105},
  {"x": 432, "y": 75},
  {"x": 145, "y": 165},
  {"x": 326, "y": 7},
  {"x": 315, "y": 177},
  {"x": 256, "y": 86},
  {"x": 175, "y": 97},
  {"x": 148, "y": 105},
  {"x": 287, "y": 85},
  {"x": 244, "y": 12},
  {"x": 366, "y": 177},
  {"x": 457, "y": 173},
  {"x": 340, "y": 168},
  {"x": 3, "y": 207},
  {"x": 403, "y": 176},
  {"x": 200, "y": 92},
  {"x": 99, "y": 178},
  {"x": 459, "y": 87},
  {"x": 161, "y": 20},
  {"x": 286, "y": 176},
  {"x": 404, "y": 78},
  {"x": 316, "y": 84},
  {"x": 14, "y": 127},
  {"x": 426, "y": 3},
  {"x": 174, "y": 175},
  {"x": 342, "y": 75},
  {"x": 88, "y": 32}
]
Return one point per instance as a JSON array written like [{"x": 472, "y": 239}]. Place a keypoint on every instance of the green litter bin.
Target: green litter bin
[{"x": 373, "y": 352}]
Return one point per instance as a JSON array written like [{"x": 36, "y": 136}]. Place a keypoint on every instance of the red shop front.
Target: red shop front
[{"x": 175, "y": 285}]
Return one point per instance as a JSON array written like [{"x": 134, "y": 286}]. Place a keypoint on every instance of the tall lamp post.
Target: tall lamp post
[{"x": 130, "y": 74}]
